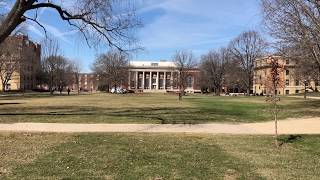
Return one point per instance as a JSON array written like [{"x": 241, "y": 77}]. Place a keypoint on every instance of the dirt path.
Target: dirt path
[
  {"x": 308, "y": 97},
  {"x": 290, "y": 126}
]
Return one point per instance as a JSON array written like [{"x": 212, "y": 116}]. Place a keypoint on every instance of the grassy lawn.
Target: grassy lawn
[
  {"x": 147, "y": 108},
  {"x": 156, "y": 156}
]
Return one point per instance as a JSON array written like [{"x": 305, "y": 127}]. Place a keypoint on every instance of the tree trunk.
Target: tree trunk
[
  {"x": 3, "y": 88},
  {"x": 249, "y": 87},
  {"x": 180, "y": 93},
  {"x": 13, "y": 19},
  {"x": 276, "y": 122},
  {"x": 218, "y": 91},
  {"x": 275, "y": 113},
  {"x": 51, "y": 84},
  {"x": 50, "y": 89}
]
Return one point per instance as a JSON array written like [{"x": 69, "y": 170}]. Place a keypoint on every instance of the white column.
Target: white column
[
  {"x": 165, "y": 80},
  {"x": 136, "y": 83},
  {"x": 171, "y": 80},
  {"x": 129, "y": 82},
  {"x": 143, "y": 80},
  {"x": 157, "y": 81},
  {"x": 150, "y": 80}
]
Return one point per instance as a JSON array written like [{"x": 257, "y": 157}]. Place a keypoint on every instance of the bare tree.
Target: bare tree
[
  {"x": 9, "y": 63},
  {"x": 113, "y": 21},
  {"x": 246, "y": 48},
  {"x": 274, "y": 82},
  {"x": 76, "y": 70},
  {"x": 7, "y": 68},
  {"x": 50, "y": 50},
  {"x": 59, "y": 71},
  {"x": 213, "y": 66},
  {"x": 185, "y": 63},
  {"x": 56, "y": 68},
  {"x": 307, "y": 72},
  {"x": 296, "y": 26},
  {"x": 234, "y": 77},
  {"x": 112, "y": 68}
]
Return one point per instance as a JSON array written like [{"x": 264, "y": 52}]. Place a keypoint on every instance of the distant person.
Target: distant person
[
  {"x": 60, "y": 89},
  {"x": 68, "y": 91}
]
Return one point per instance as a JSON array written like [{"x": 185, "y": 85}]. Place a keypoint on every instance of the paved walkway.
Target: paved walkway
[
  {"x": 290, "y": 126},
  {"x": 308, "y": 97}
]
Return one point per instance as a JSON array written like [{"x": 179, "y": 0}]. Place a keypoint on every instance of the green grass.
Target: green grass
[
  {"x": 147, "y": 108},
  {"x": 156, "y": 156}
]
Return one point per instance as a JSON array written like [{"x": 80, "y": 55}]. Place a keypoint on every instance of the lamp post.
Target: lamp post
[{"x": 305, "y": 89}]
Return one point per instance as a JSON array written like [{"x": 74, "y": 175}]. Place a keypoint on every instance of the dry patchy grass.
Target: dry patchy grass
[
  {"x": 156, "y": 156},
  {"x": 148, "y": 108}
]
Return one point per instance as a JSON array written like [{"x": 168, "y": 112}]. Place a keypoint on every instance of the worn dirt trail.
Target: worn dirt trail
[{"x": 289, "y": 126}]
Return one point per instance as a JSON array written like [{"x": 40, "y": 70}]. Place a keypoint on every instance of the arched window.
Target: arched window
[{"x": 189, "y": 81}]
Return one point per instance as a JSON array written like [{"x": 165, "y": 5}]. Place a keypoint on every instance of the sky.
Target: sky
[{"x": 168, "y": 26}]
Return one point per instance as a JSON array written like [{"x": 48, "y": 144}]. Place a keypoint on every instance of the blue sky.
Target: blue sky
[{"x": 169, "y": 25}]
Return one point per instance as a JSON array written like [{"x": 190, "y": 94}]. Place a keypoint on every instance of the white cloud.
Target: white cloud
[
  {"x": 187, "y": 24},
  {"x": 51, "y": 31}
]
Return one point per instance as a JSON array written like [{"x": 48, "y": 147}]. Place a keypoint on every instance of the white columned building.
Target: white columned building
[{"x": 146, "y": 76}]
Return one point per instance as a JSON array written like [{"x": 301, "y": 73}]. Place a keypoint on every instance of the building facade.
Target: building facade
[
  {"x": 88, "y": 82},
  {"x": 146, "y": 76},
  {"x": 25, "y": 55},
  {"x": 290, "y": 83}
]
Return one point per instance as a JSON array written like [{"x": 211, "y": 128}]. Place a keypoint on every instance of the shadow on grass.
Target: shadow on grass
[
  {"x": 289, "y": 139},
  {"x": 37, "y": 95},
  {"x": 9, "y": 103},
  {"x": 164, "y": 115}
]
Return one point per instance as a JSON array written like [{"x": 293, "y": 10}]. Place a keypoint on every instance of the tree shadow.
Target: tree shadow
[
  {"x": 289, "y": 139},
  {"x": 164, "y": 115},
  {"x": 9, "y": 103}
]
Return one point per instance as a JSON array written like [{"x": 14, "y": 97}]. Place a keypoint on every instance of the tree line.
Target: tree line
[
  {"x": 56, "y": 71},
  {"x": 230, "y": 66},
  {"x": 295, "y": 26}
]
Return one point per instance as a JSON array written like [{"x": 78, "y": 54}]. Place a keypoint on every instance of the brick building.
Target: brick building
[
  {"x": 25, "y": 56},
  {"x": 291, "y": 83},
  {"x": 88, "y": 82}
]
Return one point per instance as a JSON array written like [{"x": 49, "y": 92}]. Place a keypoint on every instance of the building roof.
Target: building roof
[{"x": 151, "y": 64}]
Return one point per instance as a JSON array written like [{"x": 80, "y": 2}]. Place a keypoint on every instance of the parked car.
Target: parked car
[{"x": 118, "y": 90}]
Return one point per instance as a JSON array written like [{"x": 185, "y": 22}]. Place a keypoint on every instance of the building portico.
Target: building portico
[{"x": 154, "y": 77}]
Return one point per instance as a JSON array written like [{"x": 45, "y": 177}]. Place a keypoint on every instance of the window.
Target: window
[
  {"x": 287, "y": 72},
  {"x": 154, "y": 64},
  {"x": 297, "y": 91},
  {"x": 297, "y": 83},
  {"x": 287, "y": 91},
  {"x": 287, "y": 82}
]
